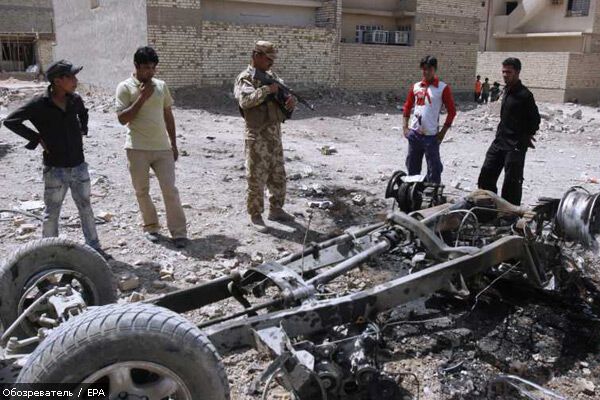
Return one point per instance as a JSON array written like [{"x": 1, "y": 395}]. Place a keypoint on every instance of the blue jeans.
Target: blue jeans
[
  {"x": 56, "y": 183},
  {"x": 422, "y": 145}
]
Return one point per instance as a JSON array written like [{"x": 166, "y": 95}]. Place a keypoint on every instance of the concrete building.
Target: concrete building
[
  {"x": 558, "y": 42},
  {"x": 352, "y": 44},
  {"x": 26, "y": 35}
]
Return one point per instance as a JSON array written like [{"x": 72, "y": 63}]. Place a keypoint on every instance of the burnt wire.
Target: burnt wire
[
  {"x": 516, "y": 381},
  {"x": 460, "y": 227},
  {"x": 492, "y": 284}
]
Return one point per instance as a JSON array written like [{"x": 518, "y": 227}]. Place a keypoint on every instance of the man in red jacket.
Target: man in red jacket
[{"x": 422, "y": 129}]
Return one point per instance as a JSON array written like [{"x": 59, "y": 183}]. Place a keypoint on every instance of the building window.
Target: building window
[
  {"x": 16, "y": 54},
  {"x": 578, "y": 8},
  {"x": 510, "y": 6},
  {"x": 361, "y": 29}
]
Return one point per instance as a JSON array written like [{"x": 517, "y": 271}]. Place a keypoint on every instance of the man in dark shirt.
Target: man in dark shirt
[
  {"x": 495, "y": 92},
  {"x": 60, "y": 119},
  {"x": 485, "y": 91},
  {"x": 519, "y": 121}
]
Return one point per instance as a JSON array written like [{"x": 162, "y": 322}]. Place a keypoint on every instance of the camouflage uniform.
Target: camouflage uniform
[{"x": 263, "y": 148}]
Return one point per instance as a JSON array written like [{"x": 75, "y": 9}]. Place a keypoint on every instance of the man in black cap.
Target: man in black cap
[{"x": 60, "y": 118}]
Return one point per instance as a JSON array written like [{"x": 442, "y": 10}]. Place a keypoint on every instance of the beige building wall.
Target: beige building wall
[
  {"x": 549, "y": 44},
  {"x": 553, "y": 18},
  {"x": 102, "y": 39},
  {"x": 583, "y": 78},
  {"x": 544, "y": 73},
  {"x": 26, "y": 16},
  {"x": 547, "y": 19},
  {"x": 445, "y": 28},
  {"x": 44, "y": 52},
  {"x": 256, "y": 13},
  {"x": 554, "y": 77},
  {"x": 208, "y": 42},
  {"x": 175, "y": 31},
  {"x": 306, "y": 55},
  {"x": 201, "y": 52},
  {"x": 561, "y": 66},
  {"x": 595, "y": 36}
]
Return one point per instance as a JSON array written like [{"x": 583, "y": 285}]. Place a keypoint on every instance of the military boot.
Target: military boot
[
  {"x": 278, "y": 214},
  {"x": 257, "y": 222}
]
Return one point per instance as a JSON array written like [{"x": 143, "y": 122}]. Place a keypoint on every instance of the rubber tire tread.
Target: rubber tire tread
[
  {"x": 35, "y": 257},
  {"x": 130, "y": 332}
]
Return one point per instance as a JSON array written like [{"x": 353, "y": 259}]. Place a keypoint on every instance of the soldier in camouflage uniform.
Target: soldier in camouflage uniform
[{"x": 263, "y": 148}]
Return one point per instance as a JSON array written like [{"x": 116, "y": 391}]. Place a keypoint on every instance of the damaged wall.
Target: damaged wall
[{"x": 102, "y": 39}]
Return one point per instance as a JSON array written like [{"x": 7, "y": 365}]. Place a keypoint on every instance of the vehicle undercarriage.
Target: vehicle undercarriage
[{"x": 55, "y": 301}]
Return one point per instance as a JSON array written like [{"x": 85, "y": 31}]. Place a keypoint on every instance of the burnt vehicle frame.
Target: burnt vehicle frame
[{"x": 332, "y": 348}]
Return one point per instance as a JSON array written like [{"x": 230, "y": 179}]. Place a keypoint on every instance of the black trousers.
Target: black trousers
[{"x": 512, "y": 160}]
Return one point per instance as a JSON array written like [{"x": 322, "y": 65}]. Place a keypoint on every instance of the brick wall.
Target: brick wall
[
  {"x": 194, "y": 52},
  {"x": 595, "y": 37},
  {"x": 306, "y": 55},
  {"x": 583, "y": 78},
  {"x": 456, "y": 8},
  {"x": 330, "y": 16},
  {"x": 189, "y": 4},
  {"x": 26, "y": 16},
  {"x": 444, "y": 28},
  {"x": 44, "y": 50},
  {"x": 174, "y": 30},
  {"x": 543, "y": 72}
]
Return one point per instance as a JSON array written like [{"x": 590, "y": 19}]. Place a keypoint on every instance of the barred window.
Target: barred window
[{"x": 578, "y": 8}]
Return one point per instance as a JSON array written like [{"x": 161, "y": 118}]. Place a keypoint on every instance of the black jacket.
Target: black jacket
[
  {"x": 60, "y": 130},
  {"x": 519, "y": 118}
]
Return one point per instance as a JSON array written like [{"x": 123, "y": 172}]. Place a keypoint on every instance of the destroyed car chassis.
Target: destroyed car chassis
[{"x": 323, "y": 345}]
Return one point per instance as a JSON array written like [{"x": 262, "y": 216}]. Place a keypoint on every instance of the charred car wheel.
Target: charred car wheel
[
  {"x": 134, "y": 350},
  {"x": 43, "y": 265}
]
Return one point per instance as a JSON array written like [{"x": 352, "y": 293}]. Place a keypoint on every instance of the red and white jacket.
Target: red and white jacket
[{"x": 427, "y": 99}]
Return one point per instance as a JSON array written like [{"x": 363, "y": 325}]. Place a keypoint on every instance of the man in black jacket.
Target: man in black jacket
[
  {"x": 60, "y": 119},
  {"x": 519, "y": 121}
]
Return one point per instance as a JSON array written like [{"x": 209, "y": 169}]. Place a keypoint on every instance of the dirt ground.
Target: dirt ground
[{"x": 559, "y": 350}]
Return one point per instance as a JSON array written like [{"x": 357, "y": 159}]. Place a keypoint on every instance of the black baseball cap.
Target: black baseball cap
[{"x": 61, "y": 68}]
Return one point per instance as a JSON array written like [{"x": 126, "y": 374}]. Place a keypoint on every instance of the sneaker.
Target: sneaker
[
  {"x": 153, "y": 237},
  {"x": 257, "y": 223},
  {"x": 278, "y": 214},
  {"x": 180, "y": 243}
]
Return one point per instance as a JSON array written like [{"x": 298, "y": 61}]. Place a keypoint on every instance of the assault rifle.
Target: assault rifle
[{"x": 282, "y": 95}]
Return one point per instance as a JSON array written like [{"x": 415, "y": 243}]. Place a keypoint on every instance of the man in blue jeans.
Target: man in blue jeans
[
  {"x": 60, "y": 118},
  {"x": 422, "y": 128}
]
